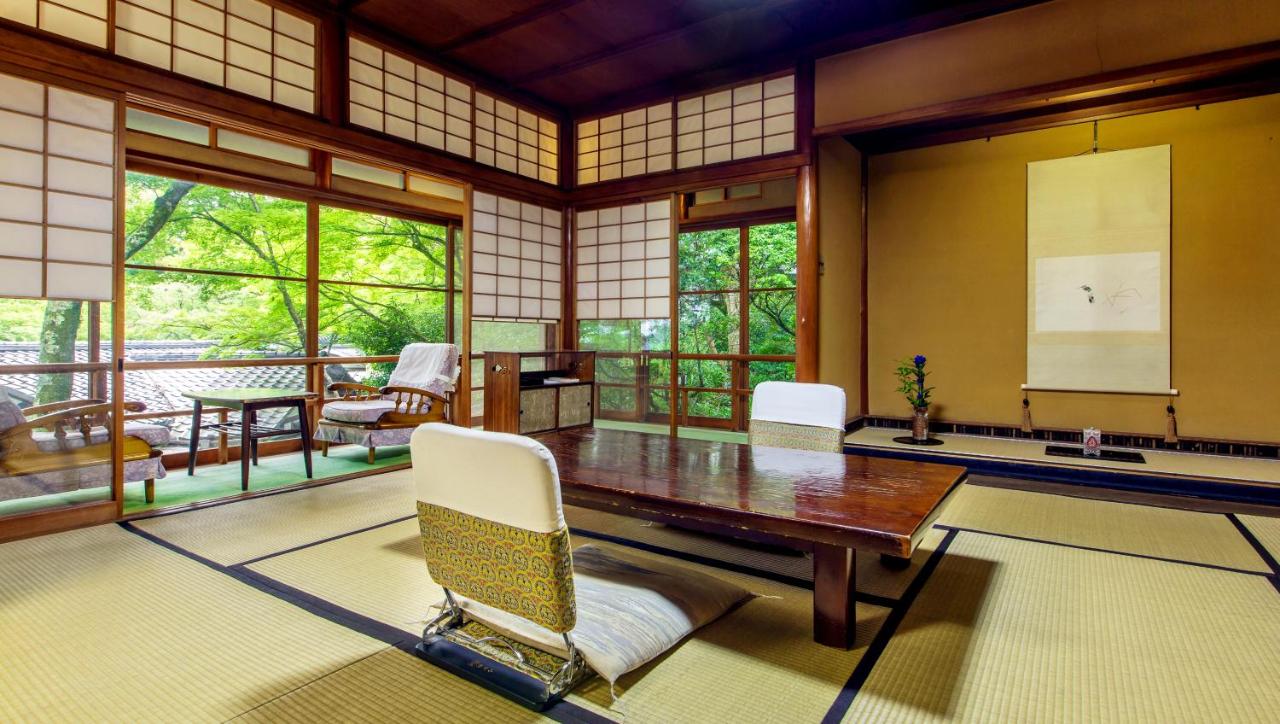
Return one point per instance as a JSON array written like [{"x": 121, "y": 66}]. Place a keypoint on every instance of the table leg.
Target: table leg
[
  {"x": 304, "y": 428},
  {"x": 253, "y": 441},
  {"x": 246, "y": 445},
  {"x": 833, "y": 595},
  {"x": 195, "y": 437}
]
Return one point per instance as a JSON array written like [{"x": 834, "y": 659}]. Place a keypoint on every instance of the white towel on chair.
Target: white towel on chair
[
  {"x": 799, "y": 403},
  {"x": 428, "y": 366}
]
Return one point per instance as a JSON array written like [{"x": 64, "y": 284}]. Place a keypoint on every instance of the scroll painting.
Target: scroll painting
[{"x": 1098, "y": 272}]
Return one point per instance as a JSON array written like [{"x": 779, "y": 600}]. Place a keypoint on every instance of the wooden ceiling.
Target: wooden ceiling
[{"x": 593, "y": 55}]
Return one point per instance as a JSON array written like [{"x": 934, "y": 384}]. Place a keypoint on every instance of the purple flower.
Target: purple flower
[{"x": 919, "y": 360}]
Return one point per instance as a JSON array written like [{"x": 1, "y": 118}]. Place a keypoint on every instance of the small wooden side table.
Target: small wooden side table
[{"x": 249, "y": 400}]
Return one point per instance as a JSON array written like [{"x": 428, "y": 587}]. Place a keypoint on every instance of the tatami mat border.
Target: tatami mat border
[
  {"x": 562, "y": 711},
  {"x": 1261, "y": 550},
  {"x": 1077, "y": 546},
  {"x": 877, "y": 646}
]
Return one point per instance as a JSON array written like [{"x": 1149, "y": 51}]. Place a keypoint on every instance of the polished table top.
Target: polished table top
[{"x": 877, "y": 504}]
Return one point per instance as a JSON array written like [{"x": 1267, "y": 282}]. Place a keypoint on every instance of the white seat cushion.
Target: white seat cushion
[
  {"x": 630, "y": 610},
  {"x": 357, "y": 411}
]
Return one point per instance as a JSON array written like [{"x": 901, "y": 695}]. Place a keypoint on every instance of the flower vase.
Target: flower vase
[{"x": 920, "y": 425}]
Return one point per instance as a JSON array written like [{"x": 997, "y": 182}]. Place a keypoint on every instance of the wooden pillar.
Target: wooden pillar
[
  {"x": 461, "y": 409},
  {"x": 332, "y": 95},
  {"x": 807, "y": 275}
]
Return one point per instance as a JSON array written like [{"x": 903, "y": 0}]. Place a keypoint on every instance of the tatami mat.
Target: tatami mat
[
  {"x": 1206, "y": 538},
  {"x": 102, "y": 625},
  {"x": 391, "y": 686},
  {"x": 1266, "y": 530},
  {"x": 872, "y": 577},
  {"x": 1009, "y": 630},
  {"x": 246, "y": 529},
  {"x": 717, "y": 675}
]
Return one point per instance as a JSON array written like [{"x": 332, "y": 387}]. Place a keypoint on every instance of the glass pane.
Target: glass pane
[
  {"x": 709, "y": 259},
  {"x": 772, "y": 318},
  {"x": 624, "y": 335},
  {"x": 659, "y": 401},
  {"x": 38, "y": 330},
  {"x": 263, "y": 148},
  {"x": 718, "y": 405},
  {"x": 709, "y": 323},
  {"x": 616, "y": 367},
  {"x": 509, "y": 336},
  {"x": 178, "y": 315},
  {"x": 621, "y": 401},
  {"x": 771, "y": 252},
  {"x": 372, "y": 249},
  {"x": 182, "y": 225},
  {"x": 706, "y": 373},
  {"x": 360, "y": 321},
  {"x": 167, "y": 126},
  {"x": 45, "y": 460},
  {"x": 772, "y": 371}
]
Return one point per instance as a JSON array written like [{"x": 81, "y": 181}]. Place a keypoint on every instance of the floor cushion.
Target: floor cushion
[
  {"x": 630, "y": 610},
  {"x": 357, "y": 411}
]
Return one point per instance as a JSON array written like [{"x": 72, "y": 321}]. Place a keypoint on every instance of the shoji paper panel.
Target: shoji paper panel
[
  {"x": 625, "y": 144},
  {"x": 244, "y": 45},
  {"x": 515, "y": 260},
  {"x": 515, "y": 139},
  {"x": 753, "y": 119},
  {"x": 397, "y": 96},
  {"x": 624, "y": 262},
  {"x": 57, "y": 191},
  {"x": 83, "y": 20}
]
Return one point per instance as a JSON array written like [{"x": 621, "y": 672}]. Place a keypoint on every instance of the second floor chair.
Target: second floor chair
[
  {"x": 420, "y": 390},
  {"x": 798, "y": 415},
  {"x": 524, "y": 613}
]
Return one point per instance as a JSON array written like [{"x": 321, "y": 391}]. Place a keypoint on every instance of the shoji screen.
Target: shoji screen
[
  {"x": 750, "y": 120},
  {"x": 515, "y": 260},
  {"x": 83, "y": 20},
  {"x": 395, "y": 95},
  {"x": 625, "y": 144},
  {"x": 244, "y": 45},
  {"x": 624, "y": 262},
  {"x": 516, "y": 140},
  {"x": 57, "y": 191}
]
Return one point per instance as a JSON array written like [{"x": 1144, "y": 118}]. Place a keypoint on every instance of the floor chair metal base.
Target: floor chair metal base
[{"x": 484, "y": 671}]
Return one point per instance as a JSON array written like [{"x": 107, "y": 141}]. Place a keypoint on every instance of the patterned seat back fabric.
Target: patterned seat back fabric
[
  {"x": 798, "y": 415},
  {"x": 492, "y": 525},
  {"x": 798, "y": 437},
  {"x": 429, "y": 366}
]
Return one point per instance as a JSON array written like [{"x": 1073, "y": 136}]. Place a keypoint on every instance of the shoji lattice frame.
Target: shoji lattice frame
[
  {"x": 394, "y": 94},
  {"x": 516, "y": 260},
  {"x": 516, "y": 139},
  {"x": 82, "y": 20},
  {"x": 631, "y": 143},
  {"x": 748, "y": 120},
  {"x": 623, "y": 261},
  {"x": 59, "y": 184},
  {"x": 248, "y": 46}
]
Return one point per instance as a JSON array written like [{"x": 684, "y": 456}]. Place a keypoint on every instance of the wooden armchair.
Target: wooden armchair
[
  {"x": 72, "y": 436},
  {"x": 375, "y": 417}
]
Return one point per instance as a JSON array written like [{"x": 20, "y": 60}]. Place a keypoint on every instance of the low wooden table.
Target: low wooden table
[
  {"x": 249, "y": 400},
  {"x": 827, "y": 503}
]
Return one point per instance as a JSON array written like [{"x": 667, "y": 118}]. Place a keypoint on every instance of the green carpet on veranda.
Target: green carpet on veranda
[
  {"x": 693, "y": 433},
  {"x": 212, "y": 482}
]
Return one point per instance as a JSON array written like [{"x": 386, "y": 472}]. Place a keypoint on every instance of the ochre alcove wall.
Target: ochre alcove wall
[{"x": 947, "y": 277}]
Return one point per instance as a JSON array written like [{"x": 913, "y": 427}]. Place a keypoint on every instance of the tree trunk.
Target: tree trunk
[
  {"x": 57, "y": 344},
  {"x": 62, "y": 319}
]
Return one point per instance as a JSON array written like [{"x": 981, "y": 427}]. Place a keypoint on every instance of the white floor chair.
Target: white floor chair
[{"x": 523, "y": 615}]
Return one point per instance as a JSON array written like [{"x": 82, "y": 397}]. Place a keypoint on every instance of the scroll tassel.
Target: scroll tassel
[
  {"x": 1026, "y": 415},
  {"x": 1171, "y": 425}
]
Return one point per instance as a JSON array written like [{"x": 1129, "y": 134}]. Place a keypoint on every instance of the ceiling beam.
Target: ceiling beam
[
  {"x": 644, "y": 41},
  {"x": 511, "y": 22}
]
